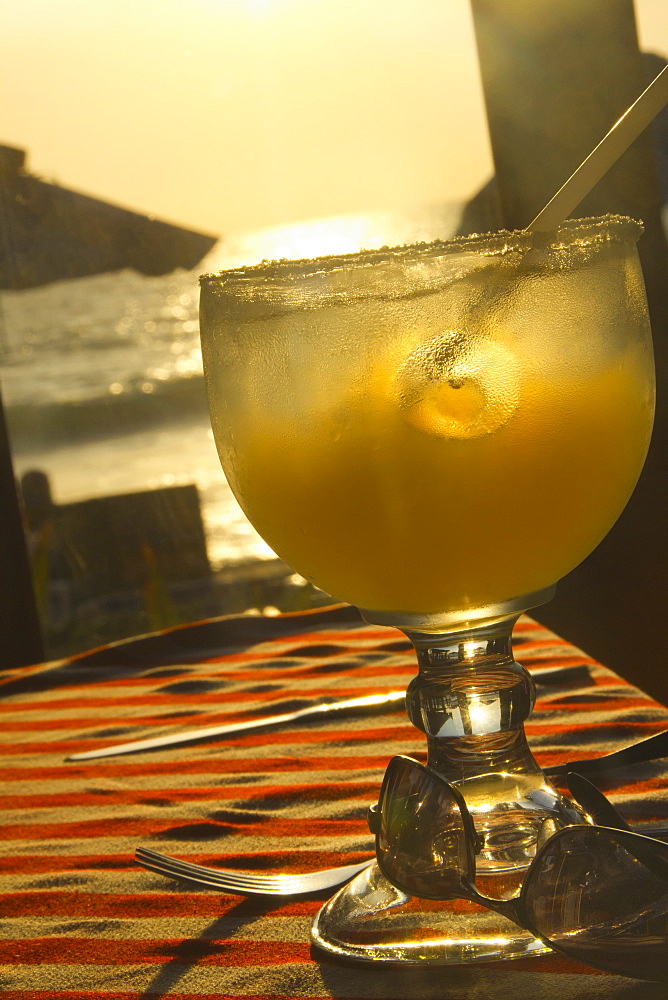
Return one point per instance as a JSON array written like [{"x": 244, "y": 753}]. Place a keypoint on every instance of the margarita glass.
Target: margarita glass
[{"x": 438, "y": 433}]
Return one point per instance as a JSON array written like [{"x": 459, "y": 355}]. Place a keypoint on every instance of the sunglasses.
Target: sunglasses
[{"x": 597, "y": 894}]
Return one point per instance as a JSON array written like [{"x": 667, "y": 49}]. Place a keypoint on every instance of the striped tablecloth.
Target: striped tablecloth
[{"x": 78, "y": 919}]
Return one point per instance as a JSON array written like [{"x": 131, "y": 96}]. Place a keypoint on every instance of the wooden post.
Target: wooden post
[
  {"x": 20, "y": 634},
  {"x": 556, "y": 75}
]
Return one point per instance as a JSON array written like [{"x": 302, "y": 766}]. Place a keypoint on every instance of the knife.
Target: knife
[
  {"x": 369, "y": 701},
  {"x": 386, "y": 701}
]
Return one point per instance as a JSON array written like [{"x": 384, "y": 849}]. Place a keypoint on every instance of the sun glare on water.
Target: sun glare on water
[{"x": 333, "y": 235}]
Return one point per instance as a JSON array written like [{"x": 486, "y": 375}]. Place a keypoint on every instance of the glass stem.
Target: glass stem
[{"x": 471, "y": 699}]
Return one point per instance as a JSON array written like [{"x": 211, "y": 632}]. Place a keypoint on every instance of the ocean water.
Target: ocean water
[{"x": 102, "y": 376}]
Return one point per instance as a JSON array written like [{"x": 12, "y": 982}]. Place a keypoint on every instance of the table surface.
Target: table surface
[{"x": 79, "y": 919}]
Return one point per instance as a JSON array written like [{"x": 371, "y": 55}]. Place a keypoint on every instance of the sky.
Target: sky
[{"x": 225, "y": 115}]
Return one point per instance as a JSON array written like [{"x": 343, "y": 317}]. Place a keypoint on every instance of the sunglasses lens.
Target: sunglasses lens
[
  {"x": 423, "y": 844},
  {"x": 601, "y": 896}
]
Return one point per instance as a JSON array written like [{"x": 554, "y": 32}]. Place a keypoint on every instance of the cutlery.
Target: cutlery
[
  {"x": 652, "y": 748},
  {"x": 247, "y": 883},
  {"x": 379, "y": 702},
  {"x": 388, "y": 700}
]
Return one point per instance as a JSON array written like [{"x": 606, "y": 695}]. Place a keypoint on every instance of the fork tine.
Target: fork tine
[
  {"x": 188, "y": 868},
  {"x": 200, "y": 880},
  {"x": 241, "y": 882},
  {"x": 234, "y": 885},
  {"x": 246, "y": 883},
  {"x": 174, "y": 867}
]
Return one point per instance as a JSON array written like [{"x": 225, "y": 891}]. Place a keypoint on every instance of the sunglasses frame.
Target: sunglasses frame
[
  {"x": 652, "y": 748},
  {"x": 514, "y": 908}
]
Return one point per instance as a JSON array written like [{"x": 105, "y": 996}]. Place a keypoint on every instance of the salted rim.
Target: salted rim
[{"x": 579, "y": 233}]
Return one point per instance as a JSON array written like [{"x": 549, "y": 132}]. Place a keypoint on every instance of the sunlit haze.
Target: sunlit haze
[{"x": 232, "y": 114}]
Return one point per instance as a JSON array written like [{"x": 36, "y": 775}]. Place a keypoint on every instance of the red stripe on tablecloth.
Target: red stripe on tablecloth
[
  {"x": 237, "y": 952},
  {"x": 60, "y": 902},
  {"x": 310, "y": 668},
  {"x": 542, "y": 964},
  {"x": 641, "y": 787},
  {"x": 291, "y": 737},
  {"x": 554, "y": 642},
  {"x": 92, "y": 722},
  {"x": 207, "y": 952},
  {"x": 208, "y": 719},
  {"x": 211, "y": 717},
  {"x": 222, "y": 698},
  {"x": 132, "y": 766},
  {"x": 103, "y": 951},
  {"x": 601, "y": 725},
  {"x": 161, "y": 995},
  {"x": 599, "y": 681},
  {"x": 267, "y": 825},
  {"x": 213, "y": 698},
  {"x": 267, "y": 861},
  {"x": 601, "y": 705},
  {"x": 322, "y": 792},
  {"x": 282, "y": 673},
  {"x": 359, "y": 633},
  {"x": 120, "y": 906},
  {"x": 405, "y": 665},
  {"x": 396, "y": 734}
]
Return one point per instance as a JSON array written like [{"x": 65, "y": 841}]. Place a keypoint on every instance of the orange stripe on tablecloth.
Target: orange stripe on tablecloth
[
  {"x": 324, "y": 792},
  {"x": 267, "y": 825},
  {"x": 103, "y": 951}
]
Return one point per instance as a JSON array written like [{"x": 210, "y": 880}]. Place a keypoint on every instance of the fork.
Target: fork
[{"x": 247, "y": 883}]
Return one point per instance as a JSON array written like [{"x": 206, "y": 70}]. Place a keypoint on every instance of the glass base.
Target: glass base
[
  {"x": 470, "y": 699},
  {"x": 369, "y": 920}
]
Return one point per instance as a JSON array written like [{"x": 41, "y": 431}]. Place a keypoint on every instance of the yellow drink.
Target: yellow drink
[{"x": 456, "y": 445}]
